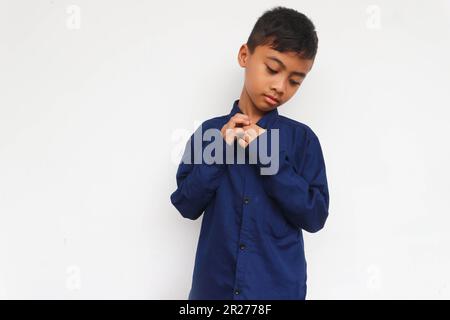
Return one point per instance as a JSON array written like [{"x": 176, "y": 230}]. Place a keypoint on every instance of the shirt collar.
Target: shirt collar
[{"x": 267, "y": 121}]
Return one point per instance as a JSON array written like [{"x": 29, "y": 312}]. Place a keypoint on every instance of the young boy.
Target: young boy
[{"x": 251, "y": 244}]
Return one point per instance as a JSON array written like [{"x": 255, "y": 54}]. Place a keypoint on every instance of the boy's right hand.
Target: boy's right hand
[{"x": 233, "y": 128}]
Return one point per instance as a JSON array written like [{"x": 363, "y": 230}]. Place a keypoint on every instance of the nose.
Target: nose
[{"x": 279, "y": 86}]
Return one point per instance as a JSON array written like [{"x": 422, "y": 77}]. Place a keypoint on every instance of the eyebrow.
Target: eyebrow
[{"x": 301, "y": 74}]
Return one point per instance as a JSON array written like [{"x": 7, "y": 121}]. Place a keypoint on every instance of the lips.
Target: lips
[{"x": 271, "y": 99}]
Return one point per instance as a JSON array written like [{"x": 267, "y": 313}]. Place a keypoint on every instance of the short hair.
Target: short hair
[{"x": 285, "y": 29}]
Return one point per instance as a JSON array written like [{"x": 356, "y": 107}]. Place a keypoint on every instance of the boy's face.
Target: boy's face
[{"x": 273, "y": 73}]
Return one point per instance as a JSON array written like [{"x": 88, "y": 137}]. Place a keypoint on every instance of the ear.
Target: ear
[{"x": 243, "y": 55}]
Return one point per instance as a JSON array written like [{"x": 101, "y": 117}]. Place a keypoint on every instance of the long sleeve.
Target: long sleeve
[
  {"x": 196, "y": 182},
  {"x": 302, "y": 196}
]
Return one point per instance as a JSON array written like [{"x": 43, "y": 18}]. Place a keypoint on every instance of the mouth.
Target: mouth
[{"x": 271, "y": 100}]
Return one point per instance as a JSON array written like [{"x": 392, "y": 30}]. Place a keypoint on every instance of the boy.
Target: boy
[{"x": 251, "y": 244}]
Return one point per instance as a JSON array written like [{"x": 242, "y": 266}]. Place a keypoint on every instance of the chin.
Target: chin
[
  {"x": 267, "y": 107},
  {"x": 264, "y": 107}
]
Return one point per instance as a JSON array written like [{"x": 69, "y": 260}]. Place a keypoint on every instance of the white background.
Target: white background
[{"x": 96, "y": 98}]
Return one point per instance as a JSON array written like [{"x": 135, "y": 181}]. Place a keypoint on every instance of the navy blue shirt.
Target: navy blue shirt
[{"x": 251, "y": 243}]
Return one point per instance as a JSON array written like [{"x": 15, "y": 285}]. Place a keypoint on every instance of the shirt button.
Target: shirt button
[
  {"x": 246, "y": 200},
  {"x": 242, "y": 246},
  {"x": 236, "y": 292}
]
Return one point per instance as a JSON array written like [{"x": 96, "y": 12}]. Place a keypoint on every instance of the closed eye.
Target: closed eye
[{"x": 271, "y": 71}]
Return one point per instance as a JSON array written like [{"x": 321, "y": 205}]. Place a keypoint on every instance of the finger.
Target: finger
[
  {"x": 242, "y": 143},
  {"x": 239, "y": 132},
  {"x": 229, "y": 136},
  {"x": 247, "y": 138},
  {"x": 239, "y": 121},
  {"x": 240, "y": 116},
  {"x": 229, "y": 140},
  {"x": 252, "y": 133},
  {"x": 232, "y": 134}
]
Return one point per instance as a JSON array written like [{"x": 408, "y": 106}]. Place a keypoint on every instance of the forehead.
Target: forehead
[{"x": 291, "y": 60}]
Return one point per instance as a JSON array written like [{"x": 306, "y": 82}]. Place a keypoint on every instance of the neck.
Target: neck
[{"x": 247, "y": 107}]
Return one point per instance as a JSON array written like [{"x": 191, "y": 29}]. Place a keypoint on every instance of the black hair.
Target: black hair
[{"x": 285, "y": 29}]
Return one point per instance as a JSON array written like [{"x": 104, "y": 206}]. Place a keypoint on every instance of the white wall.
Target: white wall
[{"x": 91, "y": 112}]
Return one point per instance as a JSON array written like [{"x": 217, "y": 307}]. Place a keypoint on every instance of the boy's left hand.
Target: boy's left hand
[{"x": 251, "y": 132}]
